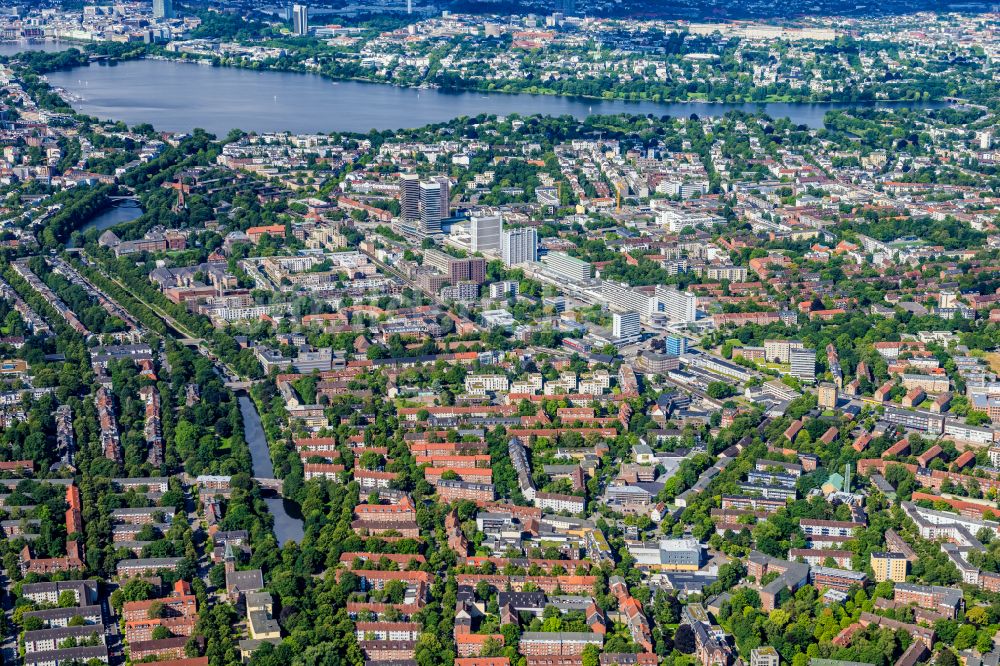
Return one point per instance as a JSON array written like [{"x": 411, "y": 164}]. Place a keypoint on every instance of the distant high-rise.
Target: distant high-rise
[
  {"x": 409, "y": 197},
  {"x": 445, "y": 184},
  {"x": 519, "y": 246},
  {"x": 300, "y": 20},
  {"x": 430, "y": 207},
  {"x": 486, "y": 232},
  {"x": 163, "y": 9}
]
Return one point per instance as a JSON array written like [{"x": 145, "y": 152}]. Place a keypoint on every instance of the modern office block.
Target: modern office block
[
  {"x": 565, "y": 266},
  {"x": 625, "y": 325},
  {"x": 486, "y": 232},
  {"x": 675, "y": 345},
  {"x": 163, "y": 9},
  {"x": 300, "y": 20},
  {"x": 430, "y": 207},
  {"x": 409, "y": 197}
]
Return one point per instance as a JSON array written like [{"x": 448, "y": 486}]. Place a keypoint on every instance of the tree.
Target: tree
[
  {"x": 160, "y": 632},
  {"x": 156, "y": 610},
  {"x": 720, "y": 390},
  {"x": 947, "y": 658},
  {"x": 684, "y": 639},
  {"x": 966, "y": 637},
  {"x": 67, "y": 599}
]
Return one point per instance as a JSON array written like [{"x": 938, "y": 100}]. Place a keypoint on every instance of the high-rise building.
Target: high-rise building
[
  {"x": 519, "y": 246},
  {"x": 803, "y": 362},
  {"x": 163, "y": 9},
  {"x": 300, "y": 20},
  {"x": 445, "y": 184},
  {"x": 681, "y": 306},
  {"x": 827, "y": 396},
  {"x": 486, "y": 232},
  {"x": 565, "y": 266},
  {"x": 622, "y": 297},
  {"x": 625, "y": 325},
  {"x": 409, "y": 197},
  {"x": 430, "y": 207}
]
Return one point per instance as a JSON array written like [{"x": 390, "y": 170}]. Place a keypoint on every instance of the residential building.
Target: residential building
[
  {"x": 889, "y": 566},
  {"x": 678, "y": 306},
  {"x": 519, "y": 246}
]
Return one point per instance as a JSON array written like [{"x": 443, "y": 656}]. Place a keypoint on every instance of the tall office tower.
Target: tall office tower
[
  {"x": 300, "y": 20},
  {"x": 677, "y": 305},
  {"x": 445, "y": 184},
  {"x": 409, "y": 197},
  {"x": 625, "y": 325},
  {"x": 163, "y": 9},
  {"x": 803, "y": 362},
  {"x": 519, "y": 246},
  {"x": 430, "y": 207},
  {"x": 486, "y": 232}
]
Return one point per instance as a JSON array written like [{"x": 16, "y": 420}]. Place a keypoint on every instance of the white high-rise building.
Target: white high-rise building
[
  {"x": 300, "y": 20},
  {"x": 486, "y": 232},
  {"x": 430, "y": 207},
  {"x": 622, "y": 297},
  {"x": 803, "y": 362},
  {"x": 163, "y": 9},
  {"x": 681, "y": 306},
  {"x": 519, "y": 246},
  {"x": 625, "y": 325}
]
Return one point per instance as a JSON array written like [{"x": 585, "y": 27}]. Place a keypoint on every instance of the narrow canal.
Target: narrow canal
[{"x": 288, "y": 525}]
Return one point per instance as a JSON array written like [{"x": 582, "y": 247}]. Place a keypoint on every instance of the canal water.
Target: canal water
[
  {"x": 288, "y": 525},
  {"x": 179, "y": 96}
]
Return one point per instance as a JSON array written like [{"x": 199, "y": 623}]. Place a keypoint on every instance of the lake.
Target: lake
[
  {"x": 120, "y": 213},
  {"x": 179, "y": 96},
  {"x": 11, "y": 48}
]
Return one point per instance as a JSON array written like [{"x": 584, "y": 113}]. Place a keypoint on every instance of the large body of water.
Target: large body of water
[
  {"x": 178, "y": 96},
  {"x": 287, "y": 514},
  {"x": 11, "y": 48}
]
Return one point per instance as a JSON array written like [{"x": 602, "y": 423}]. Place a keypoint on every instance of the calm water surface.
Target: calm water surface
[
  {"x": 179, "y": 96},
  {"x": 287, "y": 514},
  {"x": 10, "y": 48},
  {"x": 125, "y": 211}
]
